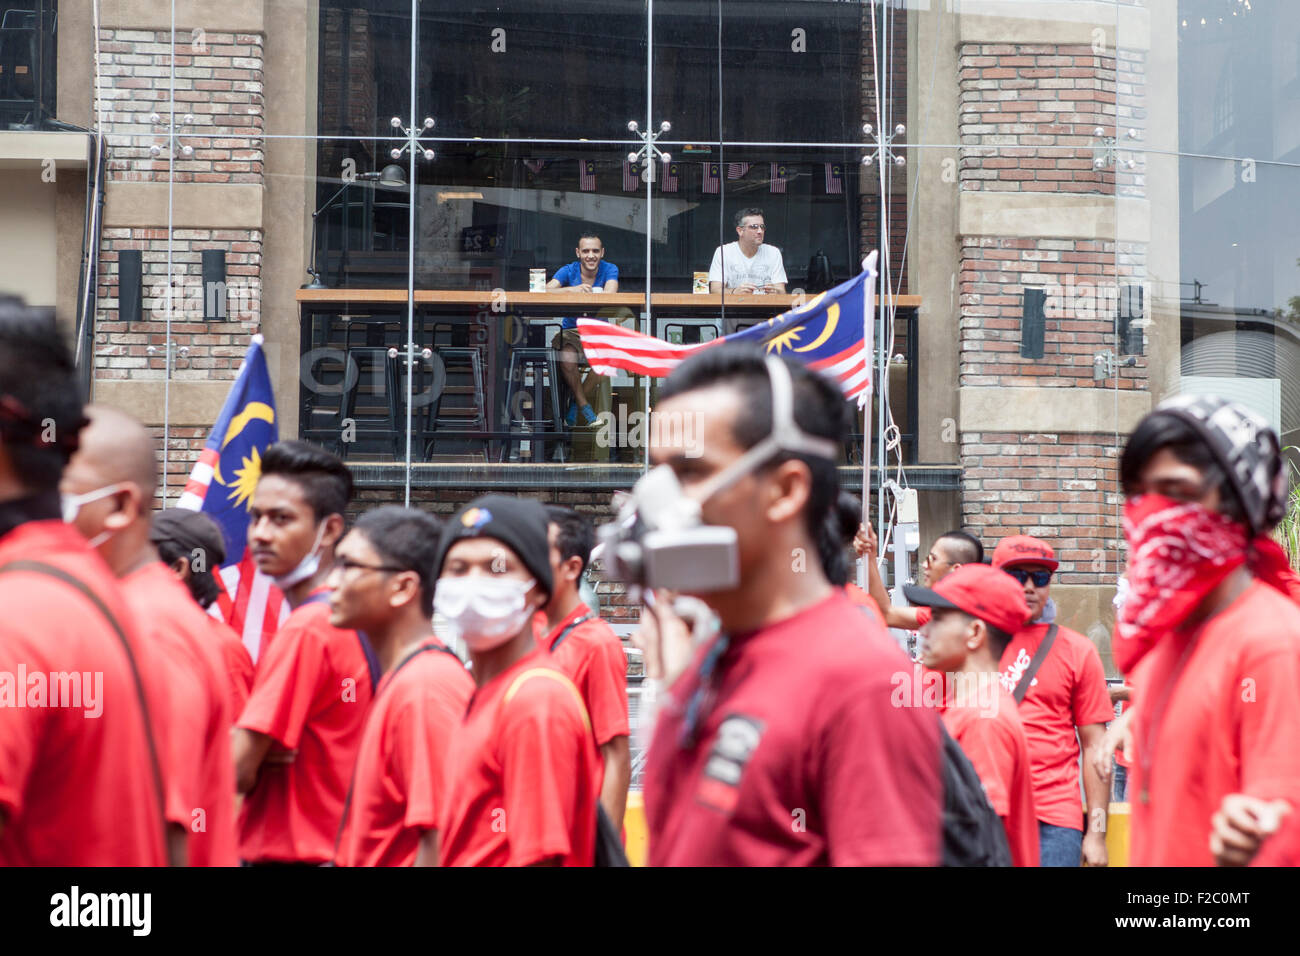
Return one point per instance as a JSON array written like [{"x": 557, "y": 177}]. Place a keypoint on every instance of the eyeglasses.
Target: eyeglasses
[
  {"x": 349, "y": 565},
  {"x": 754, "y": 228},
  {"x": 1040, "y": 578}
]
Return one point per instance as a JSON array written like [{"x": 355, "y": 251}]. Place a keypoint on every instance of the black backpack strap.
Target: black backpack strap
[
  {"x": 49, "y": 570},
  {"x": 565, "y": 633},
  {"x": 367, "y": 649},
  {"x": 347, "y": 801},
  {"x": 1040, "y": 655}
]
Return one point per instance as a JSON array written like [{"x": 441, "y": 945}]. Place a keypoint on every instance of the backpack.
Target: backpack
[{"x": 973, "y": 834}]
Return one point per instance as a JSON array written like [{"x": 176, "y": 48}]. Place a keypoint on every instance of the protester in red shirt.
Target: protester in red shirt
[
  {"x": 950, "y": 551},
  {"x": 976, "y": 609},
  {"x": 588, "y": 650},
  {"x": 382, "y": 584},
  {"x": 1209, "y": 634},
  {"x": 297, "y": 739},
  {"x": 190, "y": 699},
  {"x": 779, "y": 745},
  {"x": 79, "y": 777},
  {"x": 1066, "y": 706},
  {"x": 522, "y": 772},
  {"x": 190, "y": 543}
]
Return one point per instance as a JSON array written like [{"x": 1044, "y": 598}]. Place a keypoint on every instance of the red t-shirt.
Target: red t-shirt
[
  {"x": 592, "y": 656},
  {"x": 76, "y": 787},
  {"x": 1229, "y": 723},
  {"x": 238, "y": 663},
  {"x": 310, "y": 695},
  {"x": 397, "y": 786},
  {"x": 1068, "y": 691},
  {"x": 522, "y": 773},
  {"x": 800, "y": 757},
  {"x": 996, "y": 745},
  {"x": 194, "y": 727}
]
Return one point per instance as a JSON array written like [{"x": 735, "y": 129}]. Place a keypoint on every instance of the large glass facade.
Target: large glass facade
[{"x": 1080, "y": 208}]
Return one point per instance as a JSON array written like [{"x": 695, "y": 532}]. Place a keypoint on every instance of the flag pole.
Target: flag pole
[{"x": 868, "y": 317}]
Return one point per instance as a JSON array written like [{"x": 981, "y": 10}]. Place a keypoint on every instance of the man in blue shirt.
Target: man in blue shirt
[{"x": 589, "y": 273}]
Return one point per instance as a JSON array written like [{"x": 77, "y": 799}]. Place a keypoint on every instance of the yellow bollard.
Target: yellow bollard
[{"x": 635, "y": 837}]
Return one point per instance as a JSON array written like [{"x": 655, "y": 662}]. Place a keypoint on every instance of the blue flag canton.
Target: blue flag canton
[
  {"x": 246, "y": 427},
  {"x": 826, "y": 325}
]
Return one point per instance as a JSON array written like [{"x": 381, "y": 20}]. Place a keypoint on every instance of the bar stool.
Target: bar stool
[
  {"x": 460, "y": 405},
  {"x": 532, "y": 372}
]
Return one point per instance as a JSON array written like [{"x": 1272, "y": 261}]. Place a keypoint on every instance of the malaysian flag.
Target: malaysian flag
[
  {"x": 222, "y": 483},
  {"x": 630, "y": 178},
  {"x": 831, "y": 333},
  {"x": 535, "y": 166},
  {"x": 587, "y": 174},
  {"x": 737, "y": 170},
  {"x": 834, "y": 179},
  {"x": 776, "y": 184},
  {"x": 669, "y": 181},
  {"x": 711, "y": 177}
]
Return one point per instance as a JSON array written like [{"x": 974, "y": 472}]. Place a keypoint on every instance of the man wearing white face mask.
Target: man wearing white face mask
[
  {"x": 297, "y": 740},
  {"x": 780, "y": 745},
  {"x": 523, "y": 770}
]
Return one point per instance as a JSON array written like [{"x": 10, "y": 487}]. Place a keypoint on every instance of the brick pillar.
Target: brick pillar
[
  {"x": 210, "y": 198},
  {"x": 1038, "y": 436}
]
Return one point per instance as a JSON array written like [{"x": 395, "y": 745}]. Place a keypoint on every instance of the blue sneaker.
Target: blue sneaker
[
  {"x": 571, "y": 416},
  {"x": 589, "y": 416}
]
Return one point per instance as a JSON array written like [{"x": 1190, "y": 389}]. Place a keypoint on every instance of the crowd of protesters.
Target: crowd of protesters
[{"x": 135, "y": 728}]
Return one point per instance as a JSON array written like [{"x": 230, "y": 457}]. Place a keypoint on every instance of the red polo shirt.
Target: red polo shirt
[
  {"x": 1068, "y": 691},
  {"x": 195, "y": 729},
  {"x": 398, "y": 783},
  {"x": 592, "y": 656},
  {"x": 76, "y": 788},
  {"x": 995, "y": 743},
  {"x": 522, "y": 773},
  {"x": 238, "y": 663},
  {"x": 310, "y": 696},
  {"x": 1228, "y": 723},
  {"x": 799, "y": 756}
]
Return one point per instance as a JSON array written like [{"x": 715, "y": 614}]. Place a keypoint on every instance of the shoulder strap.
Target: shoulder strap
[
  {"x": 39, "y": 567},
  {"x": 1040, "y": 655},
  {"x": 347, "y": 801},
  {"x": 565, "y": 633},
  {"x": 554, "y": 675},
  {"x": 367, "y": 649}
]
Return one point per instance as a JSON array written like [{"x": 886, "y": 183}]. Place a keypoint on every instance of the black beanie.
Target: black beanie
[{"x": 518, "y": 523}]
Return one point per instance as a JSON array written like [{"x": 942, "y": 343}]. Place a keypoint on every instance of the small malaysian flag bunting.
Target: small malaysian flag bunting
[
  {"x": 587, "y": 174},
  {"x": 737, "y": 170},
  {"x": 711, "y": 177},
  {"x": 834, "y": 179},
  {"x": 631, "y": 180},
  {"x": 669, "y": 181},
  {"x": 776, "y": 184}
]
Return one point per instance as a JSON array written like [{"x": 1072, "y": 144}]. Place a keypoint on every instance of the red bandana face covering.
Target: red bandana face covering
[{"x": 1178, "y": 553}]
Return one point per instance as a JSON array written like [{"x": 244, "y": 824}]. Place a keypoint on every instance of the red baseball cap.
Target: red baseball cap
[
  {"x": 996, "y": 598},
  {"x": 1022, "y": 549}
]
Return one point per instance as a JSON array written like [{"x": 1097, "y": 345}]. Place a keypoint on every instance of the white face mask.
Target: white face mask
[
  {"x": 308, "y": 566},
  {"x": 72, "y": 505},
  {"x": 485, "y": 611}
]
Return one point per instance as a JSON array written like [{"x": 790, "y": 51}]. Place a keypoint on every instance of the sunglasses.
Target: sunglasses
[{"x": 1040, "y": 578}]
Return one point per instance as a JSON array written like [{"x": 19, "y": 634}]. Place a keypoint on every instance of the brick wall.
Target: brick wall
[
  {"x": 1048, "y": 98},
  {"x": 1061, "y": 488},
  {"x": 218, "y": 82},
  {"x": 1028, "y": 120}
]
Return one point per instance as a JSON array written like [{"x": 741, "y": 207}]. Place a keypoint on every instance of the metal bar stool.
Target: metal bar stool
[{"x": 533, "y": 373}]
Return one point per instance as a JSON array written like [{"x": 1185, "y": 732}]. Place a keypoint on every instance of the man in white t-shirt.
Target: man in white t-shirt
[{"x": 748, "y": 266}]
